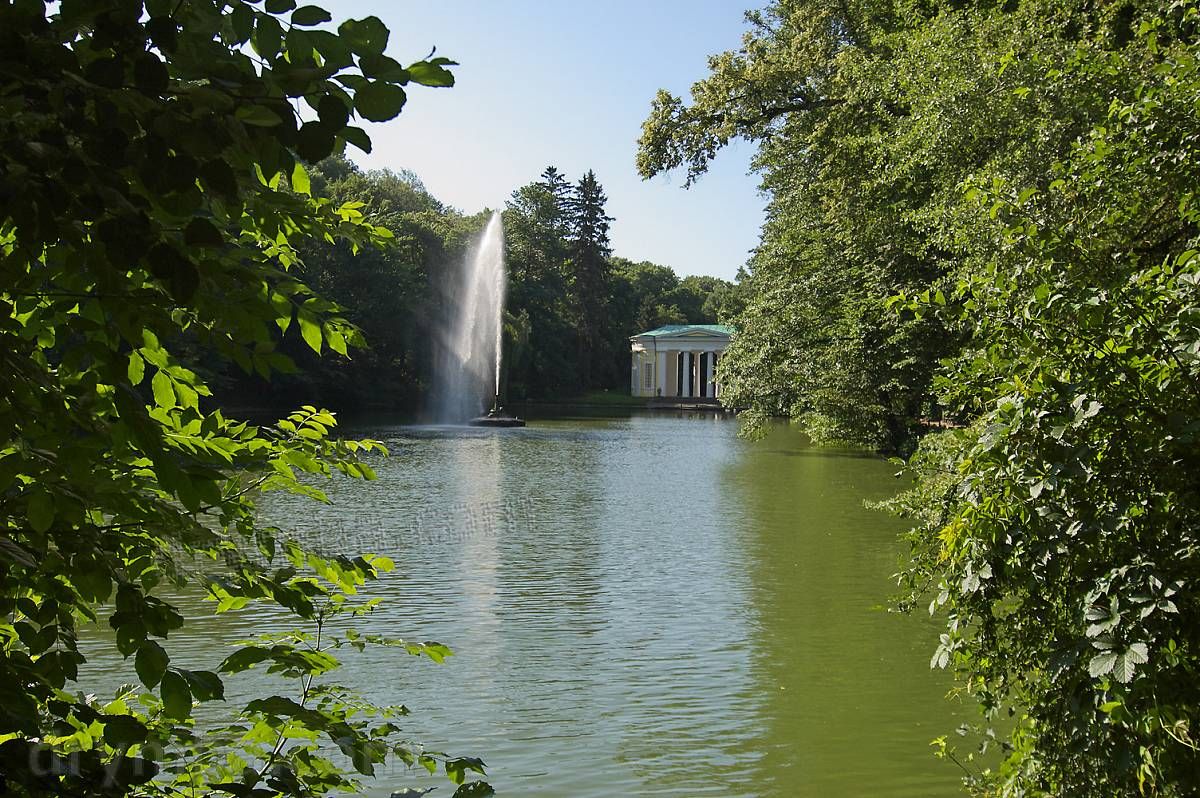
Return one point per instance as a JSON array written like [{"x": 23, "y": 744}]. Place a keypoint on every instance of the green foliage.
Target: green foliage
[
  {"x": 988, "y": 209},
  {"x": 535, "y": 228},
  {"x": 567, "y": 315},
  {"x": 386, "y": 294},
  {"x": 870, "y": 117},
  {"x": 391, "y": 294},
  {"x": 153, "y": 206},
  {"x": 588, "y": 249},
  {"x": 1064, "y": 549}
]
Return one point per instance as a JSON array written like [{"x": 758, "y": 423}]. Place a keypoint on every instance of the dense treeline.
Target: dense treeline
[
  {"x": 986, "y": 211},
  {"x": 572, "y": 305}
]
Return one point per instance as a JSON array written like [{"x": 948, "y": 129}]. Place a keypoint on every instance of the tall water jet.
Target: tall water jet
[{"x": 467, "y": 365}]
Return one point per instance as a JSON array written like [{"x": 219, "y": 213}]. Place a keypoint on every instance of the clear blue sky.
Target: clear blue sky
[{"x": 568, "y": 83}]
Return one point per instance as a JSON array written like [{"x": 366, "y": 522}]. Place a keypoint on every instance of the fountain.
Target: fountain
[{"x": 467, "y": 368}]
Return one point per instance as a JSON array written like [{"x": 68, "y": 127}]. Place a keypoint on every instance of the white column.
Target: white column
[
  {"x": 716, "y": 385},
  {"x": 687, "y": 374},
  {"x": 660, "y": 380},
  {"x": 708, "y": 372}
]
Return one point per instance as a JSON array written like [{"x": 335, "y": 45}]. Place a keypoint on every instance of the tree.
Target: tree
[
  {"x": 989, "y": 208},
  {"x": 724, "y": 303},
  {"x": 153, "y": 201},
  {"x": 639, "y": 300},
  {"x": 1058, "y": 531},
  {"x": 559, "y": 192},
  {"x": 645, "y": 295},
  {"x": 386, "y": 293},
  {"x": 535, "y": 223},
  {"x": 869, "y": 118},
  {"x": 589, "y": 251}
]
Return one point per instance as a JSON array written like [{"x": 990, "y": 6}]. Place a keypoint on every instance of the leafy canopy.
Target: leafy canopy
[
  {"x": 986, "y": 211},
  {"x": 153, "y": 196}
]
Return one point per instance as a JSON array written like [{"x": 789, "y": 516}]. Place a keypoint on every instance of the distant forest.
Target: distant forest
[{"x": 572, "y": 304}]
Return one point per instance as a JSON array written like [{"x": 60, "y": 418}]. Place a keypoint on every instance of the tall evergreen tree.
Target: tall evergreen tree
[
  {"x": 589, "y": 250},
  {"x": 557, "y": 185},
  {"x": 535, "y": 232}
]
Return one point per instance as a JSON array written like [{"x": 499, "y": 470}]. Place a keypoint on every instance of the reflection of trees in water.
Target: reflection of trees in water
[
  {"x": 850, "y": 702},
  {"x": 647, "y": 603}
]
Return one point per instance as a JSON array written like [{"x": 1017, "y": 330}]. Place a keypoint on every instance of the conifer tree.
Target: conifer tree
[
  {"x": 589, "y": 250},
  {"x": 556, "y": 183}
]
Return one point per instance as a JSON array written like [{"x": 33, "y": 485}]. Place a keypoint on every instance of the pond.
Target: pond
[{"x": 642, "y": 605}]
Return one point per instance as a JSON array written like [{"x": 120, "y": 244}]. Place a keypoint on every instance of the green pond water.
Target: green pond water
[{"x": 644, "y": 605}]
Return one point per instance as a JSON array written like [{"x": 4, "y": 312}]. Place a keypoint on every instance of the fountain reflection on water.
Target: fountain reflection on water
[{"x": 467, "y": 363}]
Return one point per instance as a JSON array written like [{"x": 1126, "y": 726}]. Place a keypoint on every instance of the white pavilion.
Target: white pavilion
[{"x": 678, "y": 360}]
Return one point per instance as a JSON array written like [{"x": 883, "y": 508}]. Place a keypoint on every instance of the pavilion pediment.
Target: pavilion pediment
[{"x": 690, "y": 332}]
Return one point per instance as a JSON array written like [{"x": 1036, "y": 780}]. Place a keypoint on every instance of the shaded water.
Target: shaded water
[{"x": 639, "y": 606}]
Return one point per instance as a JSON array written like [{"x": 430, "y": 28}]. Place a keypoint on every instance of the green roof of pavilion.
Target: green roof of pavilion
[{"x": 683, "y": 329}]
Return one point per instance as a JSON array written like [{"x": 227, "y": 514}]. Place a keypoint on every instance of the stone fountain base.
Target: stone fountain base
[{"x": 496, "y": 417}]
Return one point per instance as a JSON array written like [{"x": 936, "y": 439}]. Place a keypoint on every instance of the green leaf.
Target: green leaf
[
  {"x": 432, "y": 73},
  {"x": 242, "y": 22},
  {"x": 91, "y": 578},
  {"x": 40, "y": 511},
  {"x": 244, "y": 658},
  {"x": 367, "y": 36},
  {"x": 107, "y": 72},
  {"x": 279, "y": 6},
  {"x": 378, "y": 101},
  {"x": 1123, "y": 669},
  {"x": 310, "y": 329},
  {"x": 163, "y": 390},
  {"x": 1102, "y": 664},
  {"x": 337, "y": 341},
  {"x": 283, "y": 311},
  {"x": 310, "y": 15},
  {"x": 125, "y": 771},
  {"x": 258, "y": 115},
  {"x": 137, "y": 369},
  {"x": 332, "y": 112},
  {"x": 202, "y": 233},
  {"x": 456, "y": 769},
  {"x": 278, "y": 706},
  {"x": 163, "y": 32},
  {"x": 314, "y": 141},
  {"x": 331, "y": 47},
  {"x": 300, "y": 181},
  {"x": 121, "y": 731},
  {"x": 150, "y": 74},
  {"x": 176, "y": 695},
  {"x": 267, "y": 38},
  {"x": 384, "y": 68},
  {"x": 358, "y": 137},
  {"x": 205, "y": 685},
  {"x": 151, "y": 663}
]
